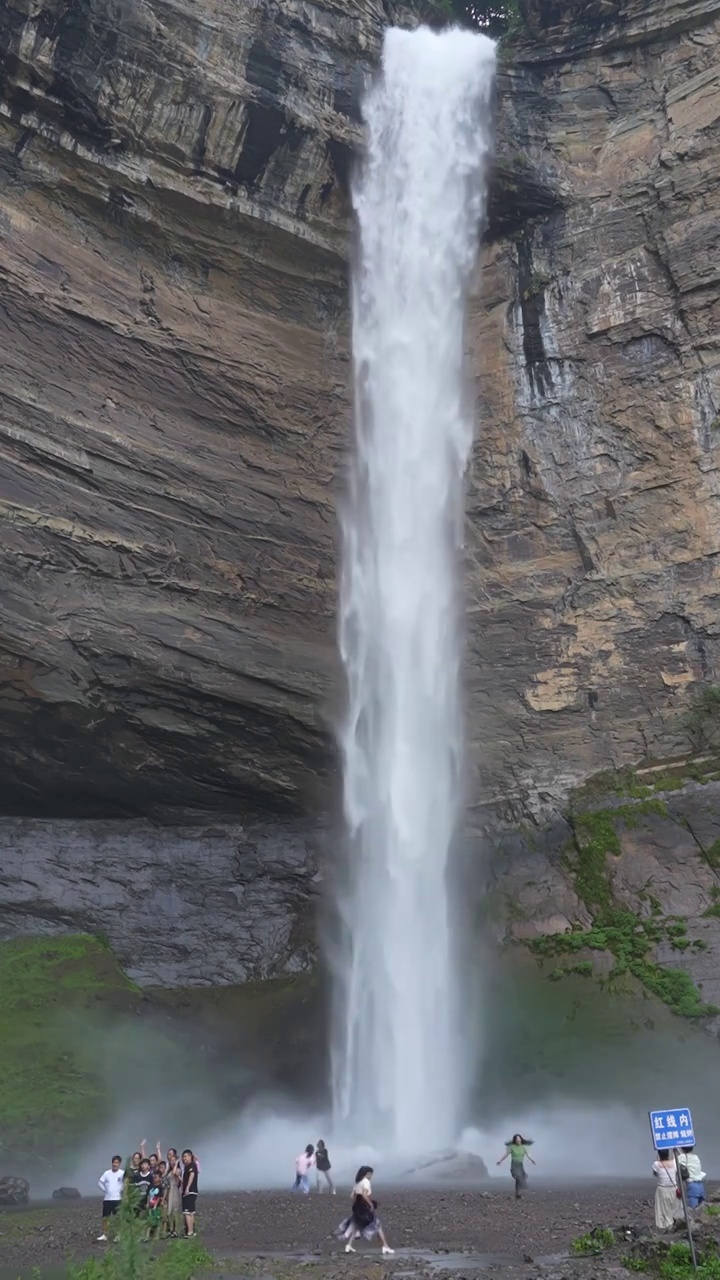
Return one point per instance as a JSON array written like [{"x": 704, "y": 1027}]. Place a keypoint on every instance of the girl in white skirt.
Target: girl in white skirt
[
  {"x": 363, "y": 1220},
  {"x": 666, "y": 1191}
]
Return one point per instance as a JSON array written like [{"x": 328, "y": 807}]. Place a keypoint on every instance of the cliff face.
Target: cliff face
[
  {"x": 186, "y": 907},
  {"x": 174, "y": 382},
  {"x": 175, "y": 400},
  {"x": 594, "y": 523}
]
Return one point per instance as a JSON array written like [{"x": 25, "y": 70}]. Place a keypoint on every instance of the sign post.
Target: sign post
[{"x": 671, "y": 1129}]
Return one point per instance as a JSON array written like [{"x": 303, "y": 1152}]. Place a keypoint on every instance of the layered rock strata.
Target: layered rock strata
[
  {"x": 180, "y": 907},
  {"x": 175, "y": 401}
]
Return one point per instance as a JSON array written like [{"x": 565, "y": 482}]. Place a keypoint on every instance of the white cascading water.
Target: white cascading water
[{"x": 397, "y": 1050}]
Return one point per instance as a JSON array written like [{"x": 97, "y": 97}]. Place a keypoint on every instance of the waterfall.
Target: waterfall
[{"x": 397, "y": 1046}]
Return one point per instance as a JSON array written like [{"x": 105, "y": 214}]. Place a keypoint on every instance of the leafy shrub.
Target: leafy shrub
[
  {"x": 128, "y": 1259},
  {"x": 594, "y": 1242}
]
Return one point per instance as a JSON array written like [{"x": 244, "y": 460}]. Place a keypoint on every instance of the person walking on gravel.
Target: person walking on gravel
[
  {"x": 665, "y": 1192},
  {"x": 518, "y": 1150},
  {"x": 363, "y": 1220},
  {"x": 111, "y": 1185}
]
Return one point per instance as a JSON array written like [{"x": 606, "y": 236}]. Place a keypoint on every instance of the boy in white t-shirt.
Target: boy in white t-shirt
[{"x": 111, "y": 1185}]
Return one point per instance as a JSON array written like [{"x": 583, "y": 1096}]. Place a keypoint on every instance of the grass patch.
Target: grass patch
[
  {"x": 674, "y": 1261},
  {"x": 51, "y": 1087},
  {"x": 594, "y": 1242},
  {"x": 677, "y": 1265},
  {"x": 129, "y": 1259}
]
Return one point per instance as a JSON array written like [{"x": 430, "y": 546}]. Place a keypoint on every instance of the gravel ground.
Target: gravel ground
[{"x": 493, "y": 1231}]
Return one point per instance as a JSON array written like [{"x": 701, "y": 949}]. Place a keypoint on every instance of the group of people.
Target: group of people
[
  {"x": 317, "y": 1158},
  {"x": 668, "y": 1194},
  {"x": 363, "y": 1220},
  {"x": 162, "y": 1192}
]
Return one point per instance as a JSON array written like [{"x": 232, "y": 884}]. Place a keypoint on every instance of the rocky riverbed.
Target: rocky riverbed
[{"x": 435, "y": 1232}]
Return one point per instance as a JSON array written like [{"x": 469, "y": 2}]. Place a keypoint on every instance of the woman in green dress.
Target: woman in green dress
[{"x": 517, "y": 1149}]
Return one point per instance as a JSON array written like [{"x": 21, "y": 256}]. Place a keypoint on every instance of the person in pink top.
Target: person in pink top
[{"x": 303, "y": 1165}]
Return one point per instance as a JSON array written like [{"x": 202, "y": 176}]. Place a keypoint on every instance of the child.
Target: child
[
  {"x": 154, "y": 1206},
  {"x": 303, "y": 1165},
  {"x": 140, "y": 1183}
]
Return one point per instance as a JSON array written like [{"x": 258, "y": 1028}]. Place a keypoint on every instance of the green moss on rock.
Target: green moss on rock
[{"x": 628, "y": 937}]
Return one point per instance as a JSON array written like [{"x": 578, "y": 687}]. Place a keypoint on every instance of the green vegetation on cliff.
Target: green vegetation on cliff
[
  {"x": 77, "y": 1035},
  {"x": 595, "y": 837},
  {"x": 51, "y": 993},
  {"x": 628, "y": 937},
  {"x": 494, "y": 17}
]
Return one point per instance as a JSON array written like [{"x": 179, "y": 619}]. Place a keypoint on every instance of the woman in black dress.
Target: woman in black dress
[{"x": 322, "y": 1165}]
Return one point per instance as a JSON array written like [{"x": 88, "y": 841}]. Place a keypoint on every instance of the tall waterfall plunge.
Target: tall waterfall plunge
[{"x": 397, "y": 1050}]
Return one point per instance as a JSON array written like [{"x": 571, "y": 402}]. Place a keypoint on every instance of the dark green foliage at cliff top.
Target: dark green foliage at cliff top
[{"x": 494, "y": 17}]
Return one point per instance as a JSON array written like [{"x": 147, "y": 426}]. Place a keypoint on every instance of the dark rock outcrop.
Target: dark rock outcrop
[
  {"x": 180, "y": 907},
  {"x": 14, "y": 1191}
]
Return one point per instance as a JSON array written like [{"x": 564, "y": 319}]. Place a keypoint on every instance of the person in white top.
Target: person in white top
[
  {"x": 665, "y": 1197},
  {"x": 111, "y": 1185},
  {"x": 363, "y": 1220},
  {"x": 303, "y": 1165},
  {"x": 693, "y": 1176}
]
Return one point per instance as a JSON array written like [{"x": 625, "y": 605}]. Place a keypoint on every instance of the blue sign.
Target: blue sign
[{"x": 672, "y": 1129}]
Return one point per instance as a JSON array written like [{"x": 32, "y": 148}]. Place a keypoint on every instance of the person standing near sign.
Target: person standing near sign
[
  {"x": 665, "y": 1192},
  {"x": 692, "y": 1170}
]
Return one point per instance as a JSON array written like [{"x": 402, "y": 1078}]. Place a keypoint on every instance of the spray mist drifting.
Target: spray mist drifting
[{"x": 397, "y": 1050}]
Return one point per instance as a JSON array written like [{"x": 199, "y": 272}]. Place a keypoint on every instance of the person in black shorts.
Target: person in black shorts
[
  {"x": 189, "y": 1191},
  {"x": 111, "y": 1185}
]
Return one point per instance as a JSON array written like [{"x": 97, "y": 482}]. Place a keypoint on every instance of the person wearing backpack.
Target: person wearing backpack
[{"x": 692, "y": 1174}]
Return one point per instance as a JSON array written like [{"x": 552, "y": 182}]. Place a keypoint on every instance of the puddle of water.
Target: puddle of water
[{"x": 429, "y": 1258}]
